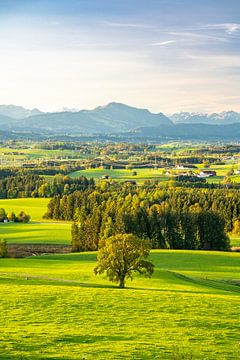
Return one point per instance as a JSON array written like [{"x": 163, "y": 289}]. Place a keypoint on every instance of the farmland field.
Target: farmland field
[
  {"x": 37, "y": 231},
  {"x": 151, "y": 173},
  {"x": 122, "y": 174},
  {"x": 36, "y": 208},
  {"x": 53, "y": 307}
]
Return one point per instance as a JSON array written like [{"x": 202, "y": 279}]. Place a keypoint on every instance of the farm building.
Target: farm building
[{"x": 207, "y": 173}]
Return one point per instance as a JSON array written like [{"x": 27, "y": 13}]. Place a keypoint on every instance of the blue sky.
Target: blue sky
[{"x": 166, "y": 55}]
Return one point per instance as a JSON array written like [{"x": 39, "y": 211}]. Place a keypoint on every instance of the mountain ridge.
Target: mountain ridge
[
  {"x": 222, "y": 118},
  {"x": 125, "y": 120}
]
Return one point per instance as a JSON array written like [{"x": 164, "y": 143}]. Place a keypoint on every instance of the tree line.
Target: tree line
[
  {"x": 176, "y": 218},
  {"x": 30, "y": 185},
  {"x": 21, "y": 217}
]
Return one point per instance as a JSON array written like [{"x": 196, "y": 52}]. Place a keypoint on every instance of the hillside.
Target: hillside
[
  {"x": 112, "y": 118},
  {"x": 53, "y": 305},
  {"x": 17, "y": 112},
  {"x": 191, "y": 131}
]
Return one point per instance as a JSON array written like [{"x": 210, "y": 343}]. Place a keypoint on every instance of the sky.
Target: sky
[{"x": 164, "y": 55}]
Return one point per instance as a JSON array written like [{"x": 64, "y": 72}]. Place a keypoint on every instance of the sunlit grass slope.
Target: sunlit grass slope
[
  {"x": 122, "y": 174},
  {"x": 36, "y": 208},
  {"x": 37, "y": 231},
  {"x": 53, "y": 307}
]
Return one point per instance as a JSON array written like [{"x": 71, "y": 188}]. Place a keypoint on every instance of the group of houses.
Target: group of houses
[{"x": 201, "y": 174}]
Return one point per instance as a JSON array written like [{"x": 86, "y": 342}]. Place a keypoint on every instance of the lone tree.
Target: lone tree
[{"x": 121, "y": 255}]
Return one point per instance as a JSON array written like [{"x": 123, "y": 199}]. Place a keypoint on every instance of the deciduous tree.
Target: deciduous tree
[{"x": 122, "y": 255}]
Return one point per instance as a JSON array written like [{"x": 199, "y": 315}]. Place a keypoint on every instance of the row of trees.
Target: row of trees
[
  {"x": 30, "y": 185},
  {"x": 170, "y": 218},
  {"x": 21, "y": 217}
]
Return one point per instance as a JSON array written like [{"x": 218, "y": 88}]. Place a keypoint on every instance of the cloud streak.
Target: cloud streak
[
  {"x": 196, "y": 37},
  {"x": 164, "y": 43},
  {"x": 127, "y": 25},
  {"x": 229, "y": 28}
]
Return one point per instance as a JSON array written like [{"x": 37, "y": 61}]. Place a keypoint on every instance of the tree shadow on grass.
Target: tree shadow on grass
[
  {"x": 28, "y": 280},
  {"x": 35, "y": 280}
]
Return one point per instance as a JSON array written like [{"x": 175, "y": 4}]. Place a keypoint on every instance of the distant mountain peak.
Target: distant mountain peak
[
  {"x": 222, "y": 118},
  {"x": 118, "y": 105},
  {"x": 18, "y": 112}
]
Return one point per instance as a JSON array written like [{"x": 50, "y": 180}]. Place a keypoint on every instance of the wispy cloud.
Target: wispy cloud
[
  {"x": 163, "y": 43},
  {"x": 197, "y": 37},
  {"x": 127, "y": 25},
  {"x": 229, "y": 28}
]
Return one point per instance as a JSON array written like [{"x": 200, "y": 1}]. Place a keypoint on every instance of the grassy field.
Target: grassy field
[
  {"x": 157, "y": 174},
  {"x": 122, "y": 174},
  {"x": 235, "y": 240},
  {"x": 53, "y": 307},
  {"x": 37, "y": 231},
  {"x": 36, "y": 208}
]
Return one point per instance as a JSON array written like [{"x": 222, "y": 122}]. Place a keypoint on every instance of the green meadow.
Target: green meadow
[
  {"x": 153, "y": 174},
  {"x": 235, "y": 240},
  {"x": 37, "y": 230},
  {"x": 53, "y": 307},
  {"x": 36, "y": 208},
  {"x": 36, "y": 233},
  {"x": 123, "y": 174}
]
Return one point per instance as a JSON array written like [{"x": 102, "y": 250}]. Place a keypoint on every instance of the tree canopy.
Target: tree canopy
[{"x": 121, "y": 255}]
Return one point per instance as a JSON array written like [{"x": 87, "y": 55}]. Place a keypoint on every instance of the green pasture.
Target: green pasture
[
  {"x": 235, "y": 240},
  {"x": 32, "y": 152},
  {"x": 123, "y": 174},
  {"x": 36, "y": 208},
  {"x": 156, "y": 174},
  {"x": 36, "y": 233},
  {"x": 53, "y": 307}
]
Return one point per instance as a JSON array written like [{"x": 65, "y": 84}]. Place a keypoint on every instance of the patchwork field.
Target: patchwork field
[
  {"x": 156, "y": 174},
  {"x": 53, "y": 307}
]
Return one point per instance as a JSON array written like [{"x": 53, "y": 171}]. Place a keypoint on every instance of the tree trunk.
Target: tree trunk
[{"x": 122, "y": 282}]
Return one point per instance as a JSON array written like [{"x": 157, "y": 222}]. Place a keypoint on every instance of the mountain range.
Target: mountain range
[
  {"x": 120, "y": 119},
  {"x": 223, "y": 118}
]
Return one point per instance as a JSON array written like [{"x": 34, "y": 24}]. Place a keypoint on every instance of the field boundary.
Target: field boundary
[{"x": 26, "y": 250}]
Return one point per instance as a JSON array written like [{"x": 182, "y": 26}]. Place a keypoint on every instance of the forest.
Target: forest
[
  {"x": 175, "y": 218},
  {"x": 30, "y": 185}
]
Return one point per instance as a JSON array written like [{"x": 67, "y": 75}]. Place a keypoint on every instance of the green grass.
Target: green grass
[
  {"x": 122, "y": 174},
  {"x": 235, "y": 240},
  {"x": 156, "y": 174},
  {"x": 36, "y": 233},
  {"x": 53, "y": 307},
  {"x": 36, "y": 208}
]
